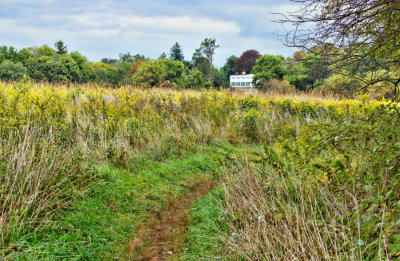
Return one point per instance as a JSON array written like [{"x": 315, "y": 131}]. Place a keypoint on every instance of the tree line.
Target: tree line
[
  {"x": 45, "y": 63},
  {"x": 306, "y": 70},
  {"x": 56, "y": 64}
]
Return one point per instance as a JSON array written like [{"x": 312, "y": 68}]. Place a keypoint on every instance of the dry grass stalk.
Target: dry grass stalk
[
  {"x": 33, "y": 178},
  {"x": 276, "y": 217}
]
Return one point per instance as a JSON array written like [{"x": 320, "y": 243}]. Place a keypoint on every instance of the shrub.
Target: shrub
[
  {"x": 341, "y": 85},
  {"x": 150, "y": 73},
  {"x": 194, "y": 80},
  {"x": 268, "y": 67},
  {"x": 277, "y": 86},
  {"x": 10, "y": 71}
]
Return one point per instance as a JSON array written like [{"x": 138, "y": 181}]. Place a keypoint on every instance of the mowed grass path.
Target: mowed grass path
[{"x": 100, "y": 223}]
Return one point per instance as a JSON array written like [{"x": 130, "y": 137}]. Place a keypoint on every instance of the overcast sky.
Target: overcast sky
[{"x": 106, "y": 28}]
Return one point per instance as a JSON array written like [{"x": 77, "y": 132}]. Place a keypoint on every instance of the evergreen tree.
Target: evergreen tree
[
  {"x": 61, "y": 48},
  {"x": 176, "y": 52}
]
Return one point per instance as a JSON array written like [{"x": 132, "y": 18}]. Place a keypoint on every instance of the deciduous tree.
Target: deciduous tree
[
  {"x": 43, "y": 50},
  {"x": 228, "y": 68},
  {"x": 208, "y": 47},
  {"x": 10, "y": 71},
  {"x": 359, "y": 32},
  {"x": 194, "y": 80},
  {"x": 268, "y": 67},
  {"x": 246, "y": 61}
]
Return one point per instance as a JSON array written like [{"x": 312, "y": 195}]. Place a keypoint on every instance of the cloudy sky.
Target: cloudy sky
[{"x": 106, "y": 28}]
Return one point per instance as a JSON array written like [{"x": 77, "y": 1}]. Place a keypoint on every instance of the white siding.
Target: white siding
[{"x": 242, "y": 81}]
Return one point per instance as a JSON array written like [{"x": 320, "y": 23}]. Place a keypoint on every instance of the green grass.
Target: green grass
[
  {"x": 98, "y": 224},
  {"x": 207, "y": 228}
]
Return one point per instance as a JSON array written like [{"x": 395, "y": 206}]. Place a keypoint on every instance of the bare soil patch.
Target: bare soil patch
[{"x": 163, "y": 236}]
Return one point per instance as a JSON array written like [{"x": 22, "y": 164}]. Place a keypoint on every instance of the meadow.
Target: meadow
[{"x": 82, "y": 169}]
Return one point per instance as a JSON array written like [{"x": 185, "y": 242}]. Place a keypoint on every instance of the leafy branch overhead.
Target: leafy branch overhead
[{"x": 363, "y": 34}]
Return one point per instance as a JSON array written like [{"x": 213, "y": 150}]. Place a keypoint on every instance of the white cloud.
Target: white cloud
[
  {"x": 154, "y": 24},
  {"x": 107, "y": 28},
  {"x": 27, "y": 1}
]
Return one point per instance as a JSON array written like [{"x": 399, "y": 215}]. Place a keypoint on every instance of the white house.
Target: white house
[{"x": 242, "y": 81}]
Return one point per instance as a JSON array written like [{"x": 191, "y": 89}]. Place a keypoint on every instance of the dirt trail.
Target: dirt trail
[{"x": 164, "y": 234}]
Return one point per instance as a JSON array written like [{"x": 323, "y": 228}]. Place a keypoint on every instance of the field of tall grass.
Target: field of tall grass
[{"x": 320, "y": 182}]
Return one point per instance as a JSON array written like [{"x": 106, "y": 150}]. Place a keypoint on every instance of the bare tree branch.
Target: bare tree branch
[{"x": 352, "y": 33}]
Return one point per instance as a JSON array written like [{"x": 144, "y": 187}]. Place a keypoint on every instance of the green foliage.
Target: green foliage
[
  {"x": 357, "y": 155},
  {"x": 8, "y": 53},
  {"x": 207, "y": 48},
  {"x": 15, "y": 56},
  {"x": 250, "y": 117},
  {"x": 43, "y": 50},
  {"x": 176, "y": 53},
  {"x": 154, "y": 72},
  {"x": 173, "y": 71},
  {"x": 268, "y": 67},
  {"x": 249, "y": 103},
  {"x": 357, "y": 35},
  {"x": 107, "y": 75},
  {"x": 194, "y": 80},
  {"x": 44, "y": 64},
  {"x": 128, "y": 58},
  {"x": 277, "y": 86},
  {"x": 150, "y": 73},
  {"x": 79, "y": 58},
  {"x": 345, "y": 152},
  {"x": 61, "y": 48},
  {"x": 10, "y": 71},
  {"x": 54, "y": 69},
  {"x": 24, "y": 55},
  {"x": 219, "y": 78},
  {"x": 86, "y": 73},
  {"x": 67, "y": 70},
  {"x": 307, "y": 71},
  {"x": 110, "y": 210},
  {"x": 41, "y": 68},
  {"x": 229, "y": 66},
  {"x": 345, "y": 86},
  {"x": 207, "y": 227},
  {"x": 196, "y": 55},
  {"x": 204, "y": 66},
  {"x": 302, "y": 81},
  {"x": 250, "y": 124},
  {"x": 315, "y": 66},
  {"x": 109, "y": 60}
]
